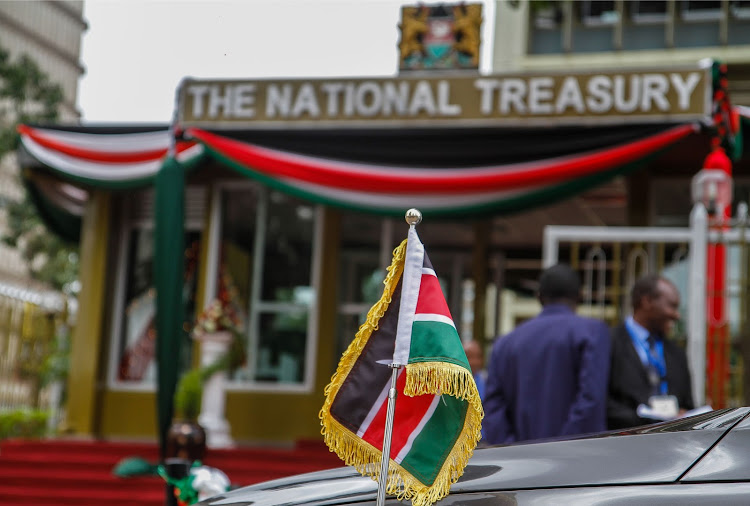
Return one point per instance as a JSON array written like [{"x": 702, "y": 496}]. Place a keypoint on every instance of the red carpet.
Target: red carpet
[{"x": 63, "y": 472}]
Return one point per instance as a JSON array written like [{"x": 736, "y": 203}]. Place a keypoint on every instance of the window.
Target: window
[
  {"x": 740, "y": 9},
  {"x": 132, "y": 362},
  {"x": 367, "y": 243},
  {"x": 265, "y": 260},
  {"x": 645, "y": 12},
  {"x": 547, "y": 15},
  {"x": 595, "y": 13},
  {"x": 703, "y": 10},
  {"x": 366, "y": 248}
]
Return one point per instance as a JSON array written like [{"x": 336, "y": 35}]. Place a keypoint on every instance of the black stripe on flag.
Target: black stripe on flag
[
  {"x": 426, "y": 262},
  {"x": 368, "y": 378}
]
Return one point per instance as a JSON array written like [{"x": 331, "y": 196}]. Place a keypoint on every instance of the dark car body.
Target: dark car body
[{"x": 703, "y": 459}]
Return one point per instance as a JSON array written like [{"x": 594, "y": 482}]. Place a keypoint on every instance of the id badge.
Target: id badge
[{"x": 665, "y": 406}]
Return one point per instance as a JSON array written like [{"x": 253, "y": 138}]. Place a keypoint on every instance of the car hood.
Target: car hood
[{"x": 658, "y": 453}]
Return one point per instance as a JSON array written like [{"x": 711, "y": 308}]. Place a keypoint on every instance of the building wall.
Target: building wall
[
  {"x": 584, "y": 35},
  {"x": 50, "y": 33},
  {"x": 691, "y": 40},
  {"x": 509, "y": 46}
]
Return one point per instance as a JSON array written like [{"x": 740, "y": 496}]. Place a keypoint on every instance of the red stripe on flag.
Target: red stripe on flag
[
  {"x": 431, "y": 299},
  {"x": 406, "y": 418}
]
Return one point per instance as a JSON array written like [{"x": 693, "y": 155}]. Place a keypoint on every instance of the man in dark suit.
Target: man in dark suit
[
  {"x": 648, "y": 370},
  {"x": 548, "y": 377}
]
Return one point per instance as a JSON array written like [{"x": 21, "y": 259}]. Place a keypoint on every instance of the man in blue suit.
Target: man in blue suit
[{"x": 548, "y": 377}]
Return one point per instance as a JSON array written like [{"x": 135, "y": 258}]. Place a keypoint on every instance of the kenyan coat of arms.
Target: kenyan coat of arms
[{"x": 444, "y": 36}]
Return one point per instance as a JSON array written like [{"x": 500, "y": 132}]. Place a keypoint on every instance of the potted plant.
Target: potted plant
[
  {"x": 186, "y": 438},
  {"x": 221, "y": 350}
]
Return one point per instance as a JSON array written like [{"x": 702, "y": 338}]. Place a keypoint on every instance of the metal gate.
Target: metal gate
[{"x": 610, "y": 259}]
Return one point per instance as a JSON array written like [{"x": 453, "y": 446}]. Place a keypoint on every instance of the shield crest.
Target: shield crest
[{"x": 440, "y": 37}]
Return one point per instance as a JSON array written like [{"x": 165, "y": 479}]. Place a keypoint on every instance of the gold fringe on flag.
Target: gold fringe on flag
[
  {"x": 422, "y": 378},
  {"x": 447, "y": 379}
]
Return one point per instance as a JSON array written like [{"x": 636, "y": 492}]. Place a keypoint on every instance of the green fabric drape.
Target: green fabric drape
[
  {"x": 66, "y": 225},
  {"x": 169, "y": 269},
  {"x": 739, "y": 139}
]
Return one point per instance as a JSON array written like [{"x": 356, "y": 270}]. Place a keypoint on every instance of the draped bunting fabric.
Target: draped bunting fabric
[
  {"x": 454, "y": 191},
  {"x": 448, "y": 172},
  {"x": 169, "y": 268},
  {"x": 111, "y": 160},
  {"x": 59, "y": 204},
  {"x": 74, "y": 158}
]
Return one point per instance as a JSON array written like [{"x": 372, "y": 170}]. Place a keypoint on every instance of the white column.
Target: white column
[{"x": 218, "y": 433}]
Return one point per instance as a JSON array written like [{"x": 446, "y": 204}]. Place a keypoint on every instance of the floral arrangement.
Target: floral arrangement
[{"x": 217, "y": 316}]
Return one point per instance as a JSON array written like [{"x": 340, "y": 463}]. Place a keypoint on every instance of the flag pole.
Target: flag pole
[
  {"x": 413, "y": 218},
  {"x": 385, "y": 458}
]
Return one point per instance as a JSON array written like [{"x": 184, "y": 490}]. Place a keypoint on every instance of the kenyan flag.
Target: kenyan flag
[{"x": 438, "y": 414}]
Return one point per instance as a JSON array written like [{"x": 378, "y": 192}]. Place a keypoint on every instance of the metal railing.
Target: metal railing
[
  {"x": 33, "y": 331},
  {"x": 611, "y": 258}
]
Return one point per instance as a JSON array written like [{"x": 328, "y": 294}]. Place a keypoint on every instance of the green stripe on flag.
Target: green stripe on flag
[
  {"x": 433, "y": 341},
  {"x": 436, "y": 440}
]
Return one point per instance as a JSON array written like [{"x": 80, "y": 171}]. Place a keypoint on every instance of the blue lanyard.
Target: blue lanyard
[{"x": 656, "y": 361}]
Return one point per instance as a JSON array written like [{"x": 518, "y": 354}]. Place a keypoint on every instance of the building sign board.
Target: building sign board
[{"x": 591, "y": 97}]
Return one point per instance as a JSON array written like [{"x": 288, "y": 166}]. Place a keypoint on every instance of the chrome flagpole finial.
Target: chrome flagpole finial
[{"x": 413, "y": 217}]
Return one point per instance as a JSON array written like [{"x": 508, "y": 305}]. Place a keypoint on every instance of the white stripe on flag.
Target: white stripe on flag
[
  {"x": 417, "y": 430},
  {"x": 383, "y": 397},
  {"x": 426, "y": 271},
  {"x": 432, "y": 317},
  {"x": 411, "y": 280}
]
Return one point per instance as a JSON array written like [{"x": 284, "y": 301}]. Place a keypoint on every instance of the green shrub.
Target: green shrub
[
  {"x": 189, "y": 389},
  {"x": 23, "y": 423},
  {"x": 187, "y": 400}
]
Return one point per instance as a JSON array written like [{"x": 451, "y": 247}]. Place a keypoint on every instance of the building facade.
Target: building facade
[
  {"x": 50, "y": 33},
  {"x": 302, "y": 268}
]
